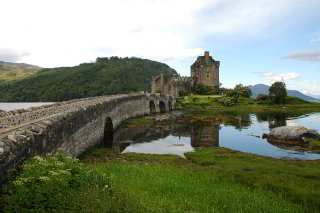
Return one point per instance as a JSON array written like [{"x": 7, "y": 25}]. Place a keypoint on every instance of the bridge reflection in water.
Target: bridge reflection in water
[{"x": 171, "y": 139}]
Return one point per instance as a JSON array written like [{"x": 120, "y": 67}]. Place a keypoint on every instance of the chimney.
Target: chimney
[{"x": 206, "y": 56}]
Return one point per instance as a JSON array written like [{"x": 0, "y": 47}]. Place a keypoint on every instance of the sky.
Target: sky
[{"x": 256, "y": 41}]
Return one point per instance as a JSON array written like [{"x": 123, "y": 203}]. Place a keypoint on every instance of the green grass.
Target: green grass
[
  {"x": 315, "y": 145},
  {"x": 139, "y": 121},
  {"x": 210, "y": 103},
  {"x": 168, "y": 188},
  {"x": 209, "y": 180},
  {"x": 297, "y": 180},
  {"x": 160, "y": 180}
]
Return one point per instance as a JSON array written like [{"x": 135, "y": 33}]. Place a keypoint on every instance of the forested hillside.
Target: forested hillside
[{"x": 104, "y": 77}]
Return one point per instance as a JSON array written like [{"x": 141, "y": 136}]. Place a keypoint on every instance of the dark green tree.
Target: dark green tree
[
  {"x": 278, "y": 92},
  {"x": 243, "y": 91}
]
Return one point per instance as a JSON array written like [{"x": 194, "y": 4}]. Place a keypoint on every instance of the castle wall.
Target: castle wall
[
  {"x": 206, "y": 70},
  {"x": 171, "y": 85}
]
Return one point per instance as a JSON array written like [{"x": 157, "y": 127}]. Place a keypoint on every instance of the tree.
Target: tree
[
  {"x": 278, "y": 92},
  {"x": 201, "y": 89},
  {"x": 243, "y": 91}
]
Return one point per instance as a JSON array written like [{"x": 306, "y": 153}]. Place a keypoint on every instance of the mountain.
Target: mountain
[
  {"x": 106, "y": 76},
  {"x": 264, "y": 89},
  {"x": 12, "y": 71}
]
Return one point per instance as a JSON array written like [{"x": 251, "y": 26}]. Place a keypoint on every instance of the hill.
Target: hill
[
  {"x": 264, "y": 89},
  {"x": 106, "y": 76},
  {"x": 12, "y": 71}
]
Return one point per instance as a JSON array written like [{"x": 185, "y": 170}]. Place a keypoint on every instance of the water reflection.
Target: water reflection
[
  {"x": 168, "y": 145},
  {"x": 238, "y": 132},
  {"x": 277, "y": 119},
  {"x": 174, "y": 139},
  {"x": 206, "y": 136}
]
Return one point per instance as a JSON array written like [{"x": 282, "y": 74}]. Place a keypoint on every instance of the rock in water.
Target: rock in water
[{"x": 291, "y": 133}]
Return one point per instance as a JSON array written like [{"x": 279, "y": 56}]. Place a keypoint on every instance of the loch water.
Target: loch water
[
  {"x": 240, "y": 132},
  {"x": 21, "y": 105}
]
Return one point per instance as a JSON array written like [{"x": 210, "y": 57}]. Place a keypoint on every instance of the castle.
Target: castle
[{"x": 205, "y": 71}]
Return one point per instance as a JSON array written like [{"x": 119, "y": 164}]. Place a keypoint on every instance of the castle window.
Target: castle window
[{"x": 208, "y": 76}]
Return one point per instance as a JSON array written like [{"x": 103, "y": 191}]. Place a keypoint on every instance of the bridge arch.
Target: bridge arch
[
  {"x": 108, "y": 133},
  {"x": 162, "y": 107},
  {"x": 152, "y": 107}
]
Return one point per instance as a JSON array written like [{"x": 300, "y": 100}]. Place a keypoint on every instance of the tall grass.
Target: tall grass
[
  {"x": 61, "y": 184},
  {"x": 210, "y": 180}
]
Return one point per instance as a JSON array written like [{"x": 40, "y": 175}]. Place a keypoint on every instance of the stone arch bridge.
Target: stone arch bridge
[{"x": 72, "y": 126}]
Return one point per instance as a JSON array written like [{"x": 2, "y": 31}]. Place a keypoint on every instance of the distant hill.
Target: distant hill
[
  {"x": 264, "y": 89},
  {"x": 104, "y": 77},
  {"x": 12, "y": 71}
]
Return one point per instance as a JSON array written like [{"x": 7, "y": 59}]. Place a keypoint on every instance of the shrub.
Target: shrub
[
  {"x": 234, "y": 94},
  {"x": 243, "y": 91},
  {"x": 183, "y": 93},
  {"x": 195, "y": 99},
  {"x": 262, "y": 97},
  {"x": 55, "y": 184},
  {"x": 201, "y": 89},
  {"x": 226, "y": 101}
]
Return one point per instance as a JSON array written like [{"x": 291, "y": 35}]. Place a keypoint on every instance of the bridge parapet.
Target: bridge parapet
[{"x": 16, "y": 117}]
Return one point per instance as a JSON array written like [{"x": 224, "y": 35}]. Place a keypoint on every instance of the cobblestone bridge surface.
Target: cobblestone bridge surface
[{"x": 72, "y": 126}]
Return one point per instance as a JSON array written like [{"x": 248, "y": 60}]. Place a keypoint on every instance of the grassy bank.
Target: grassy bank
[
  {"x": 209, "y": 180},
  {"x": 210, "y": 103}
]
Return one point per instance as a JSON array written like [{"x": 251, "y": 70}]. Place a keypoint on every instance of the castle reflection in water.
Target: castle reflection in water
[{"x": 200, "y": 136}]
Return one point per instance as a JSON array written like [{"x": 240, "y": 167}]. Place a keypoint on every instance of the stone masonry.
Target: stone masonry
[
  {"x": 205, "y": 70},
  {"x": 72, "y": 126},
  {"x": 171, "y": 85}
]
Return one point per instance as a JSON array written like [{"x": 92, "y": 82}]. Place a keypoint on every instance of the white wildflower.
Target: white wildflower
[
  {"x": 44, "y": 178},
  {"x": 43, "y": 162},
  {"x": 64, "y": 172},
  {"x": 59, "y": 163},
  {"x": 25, "y": 179},
  {"x": 53, "y": 173},
  {"x": 18, "y": 183},
  {"x": 38, "y": 158},
  {"x": 105, "y": 187}
]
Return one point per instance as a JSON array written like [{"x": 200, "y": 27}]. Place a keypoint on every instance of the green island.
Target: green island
[{"x": 208, "y": 180}]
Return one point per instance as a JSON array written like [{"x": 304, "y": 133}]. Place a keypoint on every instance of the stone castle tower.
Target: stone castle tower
[{"x": 205, "y": 70}]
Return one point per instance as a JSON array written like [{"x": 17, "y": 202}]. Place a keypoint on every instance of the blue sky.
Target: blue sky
[{"x": 257, "y": 41}]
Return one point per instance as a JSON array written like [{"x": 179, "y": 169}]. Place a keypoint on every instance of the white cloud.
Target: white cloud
[
  {"x": 60, "y": 33},
  {"x": 11, "y": 55},
  {"x": 273, "y": 76},
  {"x": 309, "y": 55}
]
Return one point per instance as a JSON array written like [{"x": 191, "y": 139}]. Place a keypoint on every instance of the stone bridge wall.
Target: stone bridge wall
[{"x": 72, "y": 126}]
